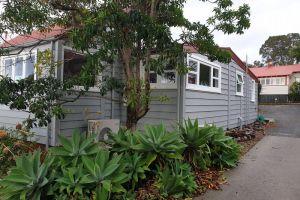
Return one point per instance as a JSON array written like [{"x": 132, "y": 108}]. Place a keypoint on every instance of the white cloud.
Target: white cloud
[{"x": 268, "y": 17}]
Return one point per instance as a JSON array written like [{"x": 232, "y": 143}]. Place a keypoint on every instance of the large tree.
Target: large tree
[
  {"x": 128, "y": 30},
  {"x": 276, "y": 49}
]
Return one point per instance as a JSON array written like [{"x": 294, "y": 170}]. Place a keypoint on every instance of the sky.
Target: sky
[{"x": 268, "y": 18}]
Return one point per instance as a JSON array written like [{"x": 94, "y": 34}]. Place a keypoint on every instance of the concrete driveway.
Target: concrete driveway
[
  {"x": 271, "y": 169},
  {"x": 287, "y": 119}
]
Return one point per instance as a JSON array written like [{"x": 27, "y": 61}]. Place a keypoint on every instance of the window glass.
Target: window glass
[
  {"x": 263, "y": 81},
  {"x": 153, "y": 77},
  {"x": 8, "y": 67},
  {"x": 239, "y": 88},
  {"x": 297, "y": 79},
  {"x": 204, "y": 75},
  {"x": 239, "y": 84},
  {"x": 267, "y": 81},
  {"x": 215, "y": 72},
  {"x": 168, "y": 77},
  {"x": 29, "y": 65},
  {"x": 192, "y": 78},
  {"x": 19, "y": 69},
  {"x": 215, "y": 83},
  {"x": 193, "y": 65},
  {"x": 73, "y": 63}
]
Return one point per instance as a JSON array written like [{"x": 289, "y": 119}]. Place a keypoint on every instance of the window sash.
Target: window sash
[
  {"x": 214, "y": 76},
  {"x": 239, "y": 83}
]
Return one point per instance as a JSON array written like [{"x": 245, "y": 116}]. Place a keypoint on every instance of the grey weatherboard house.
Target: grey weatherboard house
[{"x": 212, "y": 92}]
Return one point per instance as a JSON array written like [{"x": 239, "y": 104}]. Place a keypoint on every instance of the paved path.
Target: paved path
[
  {"x": 287, "y": 119},
  {"x": 271, "y": 169}
]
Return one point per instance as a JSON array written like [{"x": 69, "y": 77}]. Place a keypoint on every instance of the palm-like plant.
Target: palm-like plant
[
  {"x": 158, "y": 141},
  {"x": 28, "y": 179},
  {"x": 197, "y": 140},
  {"x": 72, "y": 150}
]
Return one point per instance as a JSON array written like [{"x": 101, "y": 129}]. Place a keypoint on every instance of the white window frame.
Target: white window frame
[
  {"x": 212, "y": 66},
  {"x": 297, "y": 79},
  {"x": 23, "y": 56},
  {"x": 79, "y": 87},
  {"x": 253, "y": 91},
  {"x": 241, "y": 93}
]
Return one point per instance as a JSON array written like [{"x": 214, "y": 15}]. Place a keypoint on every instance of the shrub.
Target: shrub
[
  {"x": 123, "y": 140},
  {"x": 158, "y": 141},
  {"x": 176, "y": 180},
  {"x": 197, "y": 151},
  {"x": 28, "y": 179},
  {"x": 225, "y": 151},
  {"x": 294, "y": 93}
]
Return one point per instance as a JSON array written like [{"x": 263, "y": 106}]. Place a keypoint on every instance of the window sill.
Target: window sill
[
  {"x": 240, "y": 95},
  {"x": 203, "y": 89},
  {"x": 155, "y": 86}
]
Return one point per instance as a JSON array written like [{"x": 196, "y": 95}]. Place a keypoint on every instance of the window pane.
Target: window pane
[
  {"x": 73, "y": 64},
  {"x": 19, "y": 69},
  {"x": 193, "y": 65},
  {"x": 192, "y": 78},
  {"x": 204, "y": 75},
  {"x": 8, "y": 67},
  {"x": 168, "y": 77},
  {"x": 29, "y": 66},
  {"x": 239, "y": 87},
  {"x": 268, "y": 81},
  {"x": 277, "y": 81},
  {"x": 263, "y": 81},
  {"x": 153, "y": 77},
  {"x": 215, "y": 73},
  {"x": 239, "y": 78},
  {"x": 215, "y": 83}
]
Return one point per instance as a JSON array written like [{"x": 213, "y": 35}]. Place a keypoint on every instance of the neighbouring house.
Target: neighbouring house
[
  {"x": 212, "y": 92},
  {"x": 275, "y": 82}
]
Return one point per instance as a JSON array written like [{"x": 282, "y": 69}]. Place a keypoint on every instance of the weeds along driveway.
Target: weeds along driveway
[
  {"x": 269, "y": 171},
  {"x": 287, "y": 118}
]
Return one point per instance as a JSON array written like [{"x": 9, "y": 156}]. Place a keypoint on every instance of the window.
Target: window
[
  {"x": 203, "y": 75},
  {"x": 73, "y": 63},
  {"x": 19, "y": 67},
  {"x": 239, "y": 84},
  {"x": 165, "y": 80},
  {"x": 297, "y": 79},
  {"x": 262, "y": 81},
  {"x": 253, "y": 91}
]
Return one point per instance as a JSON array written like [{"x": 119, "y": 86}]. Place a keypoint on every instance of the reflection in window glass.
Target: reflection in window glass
[
  {"x": 19, "y": 68},
  {"x": 215, "y": 83},
  {"x": 192, "y": 78},
  {"x": 193, "y": 65},
  {"x": 29, "y": 66},
  {"x": 153, "y": 77},
  {"x": 215, "y": 72},
  {"x": 8, "y": 67},
  {"x": 204, "y": 75},
  {"x": 168, "y": 77}
]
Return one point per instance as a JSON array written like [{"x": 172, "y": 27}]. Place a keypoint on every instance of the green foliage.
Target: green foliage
[
  {"x": 197, "y": 140},
  {"x": 27, "y": 180},
  {"x": 277, "y": 49},
  {"x": 158, "y": 141},
  {"x": 225, "y": 151},
  {"x": 136, "y": 166},
  {"x": 106, "y": 172},
  {"x": 176, "y": 180},
  {"x": 72, "y": 151},
  {"x": 294, "y": 93},
  {"x": 114, "y": 30},
  {"x": 295, "y": 52},
  {"x": 123, "y": 140}
]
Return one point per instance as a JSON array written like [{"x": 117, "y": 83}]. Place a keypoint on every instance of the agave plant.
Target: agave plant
[
  {"x": 123, "y": 141},
  {"x": 176, "y": 180},
  {"x": 225, "y": 151},
  {"x": 197, "y": 140},
  {"x": 72, "y": 150},
  {"x": 28, "y": 179},
  {"x": 105, "y": 173},
  {"x": 136, "y": 166},
  {"x": 158, "y": 141}
]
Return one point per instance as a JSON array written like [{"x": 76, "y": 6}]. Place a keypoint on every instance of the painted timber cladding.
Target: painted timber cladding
[{"x": 226, "y": 108}]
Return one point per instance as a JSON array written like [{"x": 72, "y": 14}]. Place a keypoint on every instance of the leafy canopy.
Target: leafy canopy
[{"x": 129, "y": 31}]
